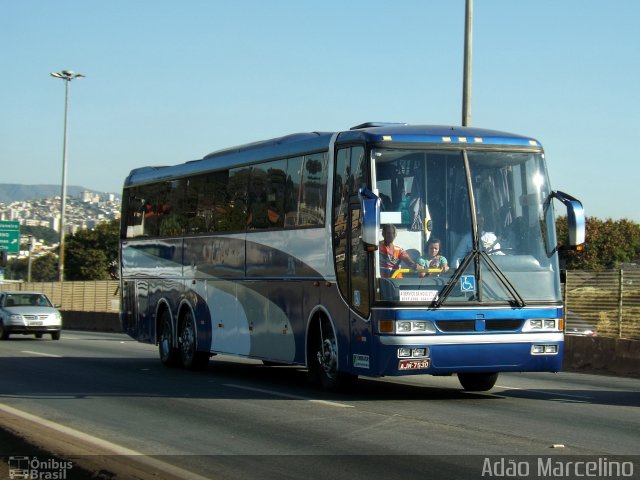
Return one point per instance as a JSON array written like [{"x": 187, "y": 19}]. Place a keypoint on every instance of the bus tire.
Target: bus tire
[
  {"x": 168, "y": 353},
  {"x": 323, "y": 358},
  {"x": 478, "y": 381},
  {"x": 189, "y": 355}
]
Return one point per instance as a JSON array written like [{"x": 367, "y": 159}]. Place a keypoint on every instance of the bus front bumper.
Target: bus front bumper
[{"x": 447, "y": 354}]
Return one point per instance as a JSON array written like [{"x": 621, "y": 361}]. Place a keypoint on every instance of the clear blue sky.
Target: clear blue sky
[{"x": 170, "y": 81}]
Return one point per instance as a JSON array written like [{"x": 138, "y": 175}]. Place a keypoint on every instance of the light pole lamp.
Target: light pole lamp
[{"x": 67, "y": 76}]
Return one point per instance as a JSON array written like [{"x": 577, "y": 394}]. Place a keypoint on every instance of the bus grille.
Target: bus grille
[
  {"x": 470, "y": 325},
  {"x": 457, "y": 325},
  {"x": 501, "y": 325}
]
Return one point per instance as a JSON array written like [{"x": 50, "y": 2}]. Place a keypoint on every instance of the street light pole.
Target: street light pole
[
  {"x": 468, "y": 58},
  {"x": 67, "y": 76}
]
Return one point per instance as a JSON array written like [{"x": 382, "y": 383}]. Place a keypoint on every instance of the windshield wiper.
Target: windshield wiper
[
  {"x": 455, "y": 278},
  {"x": 519, "y": 301},
  {"x": 477, "y": 255}
]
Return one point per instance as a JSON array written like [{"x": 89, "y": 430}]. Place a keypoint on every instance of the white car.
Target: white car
[{"x": 28, "y": 313}]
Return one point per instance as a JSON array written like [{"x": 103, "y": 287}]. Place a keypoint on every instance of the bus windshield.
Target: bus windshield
[{"x": 464, "y": 226}]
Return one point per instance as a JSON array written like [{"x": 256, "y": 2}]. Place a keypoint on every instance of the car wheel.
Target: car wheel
[
  {"x": 54, "y": 335},
  {"x": 38, "y": 335},
  {"x": 4, "y": 334}
]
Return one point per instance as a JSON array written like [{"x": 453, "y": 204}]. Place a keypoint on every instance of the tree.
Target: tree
[
  {"x": 608, "y": 243},
  {"x": 16, "y": 269},
  {"x": 89, "y": 253},
  {"x": 48, "y": 235},
  {"x": 45, "y": 268}
]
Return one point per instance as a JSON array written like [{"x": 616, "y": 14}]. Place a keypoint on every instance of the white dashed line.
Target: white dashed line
[{"x": 287, "y": 395}]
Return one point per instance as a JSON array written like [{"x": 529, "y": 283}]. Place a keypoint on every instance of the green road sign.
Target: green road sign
[{"x": 10, "y": 237}]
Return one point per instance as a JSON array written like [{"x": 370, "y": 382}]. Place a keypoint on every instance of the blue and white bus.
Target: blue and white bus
[{"x": 270, "y": 251}]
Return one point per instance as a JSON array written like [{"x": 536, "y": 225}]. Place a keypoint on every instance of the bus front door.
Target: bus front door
[{"x": 359, "y": 268}]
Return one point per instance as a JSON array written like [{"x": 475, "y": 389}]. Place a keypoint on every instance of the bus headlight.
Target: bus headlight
[
  {"x": 419, "y": 352},
  {"x": 407, "y": 327},
  {"x": 404, "y": 352},
  {"x": 542, "y": 325},
  {"x": 551, "y": 349},
  {"x": 415, "y": 327},
  {"x": 403, "y": 327}
]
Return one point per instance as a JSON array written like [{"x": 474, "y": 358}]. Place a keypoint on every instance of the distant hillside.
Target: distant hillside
[{"x": 13, "y": 192}]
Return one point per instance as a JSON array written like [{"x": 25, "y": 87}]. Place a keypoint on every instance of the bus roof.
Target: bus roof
[{"x": 387, "y": 134}]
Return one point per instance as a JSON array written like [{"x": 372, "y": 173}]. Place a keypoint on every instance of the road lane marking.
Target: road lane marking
[
  {"x": 115, "y": 449},
  {"x": 288, "y": 395},
  {"x": 29, "y": 352},
  {"x": 545, "y": 392}
]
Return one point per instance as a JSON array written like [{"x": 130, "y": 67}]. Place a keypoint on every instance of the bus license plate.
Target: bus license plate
[{"x": 414, "y": 364}]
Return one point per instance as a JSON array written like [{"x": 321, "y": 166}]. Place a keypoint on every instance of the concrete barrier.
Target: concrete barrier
[
  {"x": 91, "y": 321},
  {"x": 612, "y": 356},
  {"x": 616, "y": 356}
]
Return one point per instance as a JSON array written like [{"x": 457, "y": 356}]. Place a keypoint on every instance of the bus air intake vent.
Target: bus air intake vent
[
  {"x": 503, "y": 325},
  {"x": 456, "y": 325}
]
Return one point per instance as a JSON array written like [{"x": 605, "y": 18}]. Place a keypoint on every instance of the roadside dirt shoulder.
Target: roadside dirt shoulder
[{"x": 26, "y": 444}]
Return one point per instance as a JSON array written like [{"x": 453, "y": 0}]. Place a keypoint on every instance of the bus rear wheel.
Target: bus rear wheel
[
  {"x": 168, "y": 354},
  {"x": 477, "y": 381},
  {"x": 323, "y": 361},
  {"x": 189, "y": 354}
]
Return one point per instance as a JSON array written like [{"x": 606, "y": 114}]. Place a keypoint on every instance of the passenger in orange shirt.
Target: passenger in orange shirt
[{"x": 392, "y": 256}]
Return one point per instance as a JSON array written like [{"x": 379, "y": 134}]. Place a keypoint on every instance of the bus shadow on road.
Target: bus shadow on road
[
  {"x": 289, "y": 379},
  {"x": 83, "y": 377},
  {"x": 618, "y": 398}
]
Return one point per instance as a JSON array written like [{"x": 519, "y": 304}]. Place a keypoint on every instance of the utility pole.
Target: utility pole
[
  {"x": 30, "y": 246},
  {"x": 468, "y": 58}
]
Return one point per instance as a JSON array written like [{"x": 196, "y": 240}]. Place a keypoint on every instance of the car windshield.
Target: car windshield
[
  {"x": 26, "y": 300},
  {"x": 464, "y": 226}
]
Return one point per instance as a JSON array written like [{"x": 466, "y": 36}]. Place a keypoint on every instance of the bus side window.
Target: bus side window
[
  {"x": 236, "y": 215},
  {"x": 266, "y": 195},
  {"x": 305, "y": 192}
]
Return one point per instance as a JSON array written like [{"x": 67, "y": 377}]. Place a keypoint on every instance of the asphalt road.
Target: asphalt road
[{"x": 241, "y": 419}]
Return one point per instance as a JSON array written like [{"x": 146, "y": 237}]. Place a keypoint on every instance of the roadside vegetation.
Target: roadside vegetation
[{"x": 609, "y": 244}]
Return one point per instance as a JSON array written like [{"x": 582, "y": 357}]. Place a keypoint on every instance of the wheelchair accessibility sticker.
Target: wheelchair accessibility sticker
[{"x": 468, "y": 283}]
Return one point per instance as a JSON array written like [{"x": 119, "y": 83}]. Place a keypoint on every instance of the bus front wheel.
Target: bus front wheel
[
  {"x": 323, "y": 361},
  {"x": 477, "y": 381}
]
